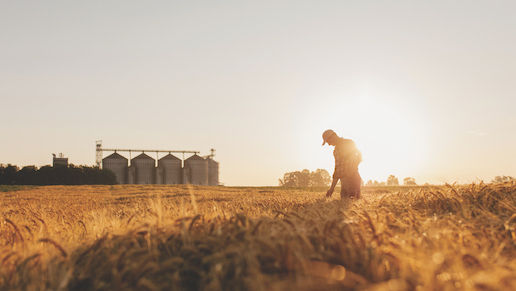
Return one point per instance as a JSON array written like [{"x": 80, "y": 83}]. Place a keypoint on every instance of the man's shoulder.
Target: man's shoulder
[{"x": 345, "y": 142}]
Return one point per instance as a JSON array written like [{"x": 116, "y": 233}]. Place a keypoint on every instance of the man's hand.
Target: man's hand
[{"x": 332, "y": 187}]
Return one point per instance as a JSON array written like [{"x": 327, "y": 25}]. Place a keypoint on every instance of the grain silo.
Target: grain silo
[
  {"x": 170, "y": 168},
  {"x": 213, "y": 172},
  {"x": 118, "y": 165},
  {"x": 196, "y": 170},
  {"x": 159, "y": 175},
  {"x": 131, "y": 175},
  {"x": 144, "y": 169}
]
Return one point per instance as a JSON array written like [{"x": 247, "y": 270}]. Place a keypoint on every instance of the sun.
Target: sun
[{"x": 391, "y": 139}]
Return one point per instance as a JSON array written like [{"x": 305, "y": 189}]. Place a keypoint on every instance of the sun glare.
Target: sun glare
[{"x": 390, "y": 137}]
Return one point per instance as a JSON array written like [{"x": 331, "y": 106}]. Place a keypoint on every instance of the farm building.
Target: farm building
[
  {"x": 196, "y": 170},
  {"x": 169, "y": 170},
  {"x": 118, "y": 165},
  {"x": 144, "y": 169},
  {"x": 213, "y": 171},
  {"x": 59, "y": 160}
]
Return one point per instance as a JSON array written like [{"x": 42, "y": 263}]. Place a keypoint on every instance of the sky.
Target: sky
[{"x": 426, "y": 89}]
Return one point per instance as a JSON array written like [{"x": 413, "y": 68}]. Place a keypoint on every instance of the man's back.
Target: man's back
[{"x": 347, "y": 157}]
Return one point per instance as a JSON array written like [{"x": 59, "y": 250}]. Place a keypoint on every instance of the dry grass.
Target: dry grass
[{"x": 216, "y": 238}]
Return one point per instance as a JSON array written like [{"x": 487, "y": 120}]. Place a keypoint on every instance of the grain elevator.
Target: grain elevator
[{"x": 169, "y": 169}]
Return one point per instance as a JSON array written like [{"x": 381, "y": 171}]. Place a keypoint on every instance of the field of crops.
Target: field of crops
[{"x": 223, "y": 238}]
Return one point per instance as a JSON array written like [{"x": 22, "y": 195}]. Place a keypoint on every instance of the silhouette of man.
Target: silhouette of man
[{"x": 347, "y": 158}]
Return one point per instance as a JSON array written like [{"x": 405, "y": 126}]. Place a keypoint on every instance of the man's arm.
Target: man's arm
[
  {"x": 332, "y": 187},
  {"x": 334, "y": 181},
  {"x": 337, "y": 173}
]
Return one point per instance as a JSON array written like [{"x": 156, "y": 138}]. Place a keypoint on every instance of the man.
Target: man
[{"x": 347, "y": 158}]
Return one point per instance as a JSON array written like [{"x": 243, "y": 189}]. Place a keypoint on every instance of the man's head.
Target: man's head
[{"x": 329, "y": 136}]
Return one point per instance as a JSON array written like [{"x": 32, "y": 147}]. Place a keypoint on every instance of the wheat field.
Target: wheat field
[{"x": 130, "y": 237}]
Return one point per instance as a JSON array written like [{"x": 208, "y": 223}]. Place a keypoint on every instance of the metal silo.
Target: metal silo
[
  {"x": 213, "y": 172},
  {"x": 145, "y": 169},
  {"x": 118, "y": 165},
  {"x": 170, "y": 167},
  {"x": 196, "y": 170},
  {"x": 131, "y": 175},
  {"x": 159, "y": 175}
]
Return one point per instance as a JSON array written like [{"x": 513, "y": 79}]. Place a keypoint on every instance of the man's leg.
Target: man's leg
[
  {"x": 357, "y": 181},
  {"x": 344, "y": 188}
]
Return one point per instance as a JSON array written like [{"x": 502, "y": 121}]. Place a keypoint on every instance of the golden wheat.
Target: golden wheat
[{"x": 220, "y": 238}]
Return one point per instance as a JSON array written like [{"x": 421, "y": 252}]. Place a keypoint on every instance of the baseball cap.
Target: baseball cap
[{"x": 327, "y": 134}]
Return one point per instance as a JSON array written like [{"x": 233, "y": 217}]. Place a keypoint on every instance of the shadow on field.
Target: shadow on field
[
  {"x": 323, "y": 209},
  {"x": 140, "y": 197},
  {"x": 307, "y": 249}
]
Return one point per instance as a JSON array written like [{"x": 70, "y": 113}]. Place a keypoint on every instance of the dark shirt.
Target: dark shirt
[{"x": 347, "y": 158}]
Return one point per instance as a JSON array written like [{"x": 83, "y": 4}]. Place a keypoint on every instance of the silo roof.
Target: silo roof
[
  {"x": 115, "y": 156},
  {"x": 170, "y": 157},
  {"x": 194, "y": 157},
  {"x": 142, "y": 156}
]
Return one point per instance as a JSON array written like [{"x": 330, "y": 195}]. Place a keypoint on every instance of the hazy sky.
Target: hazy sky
[{"x": 426, "y": 88}]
